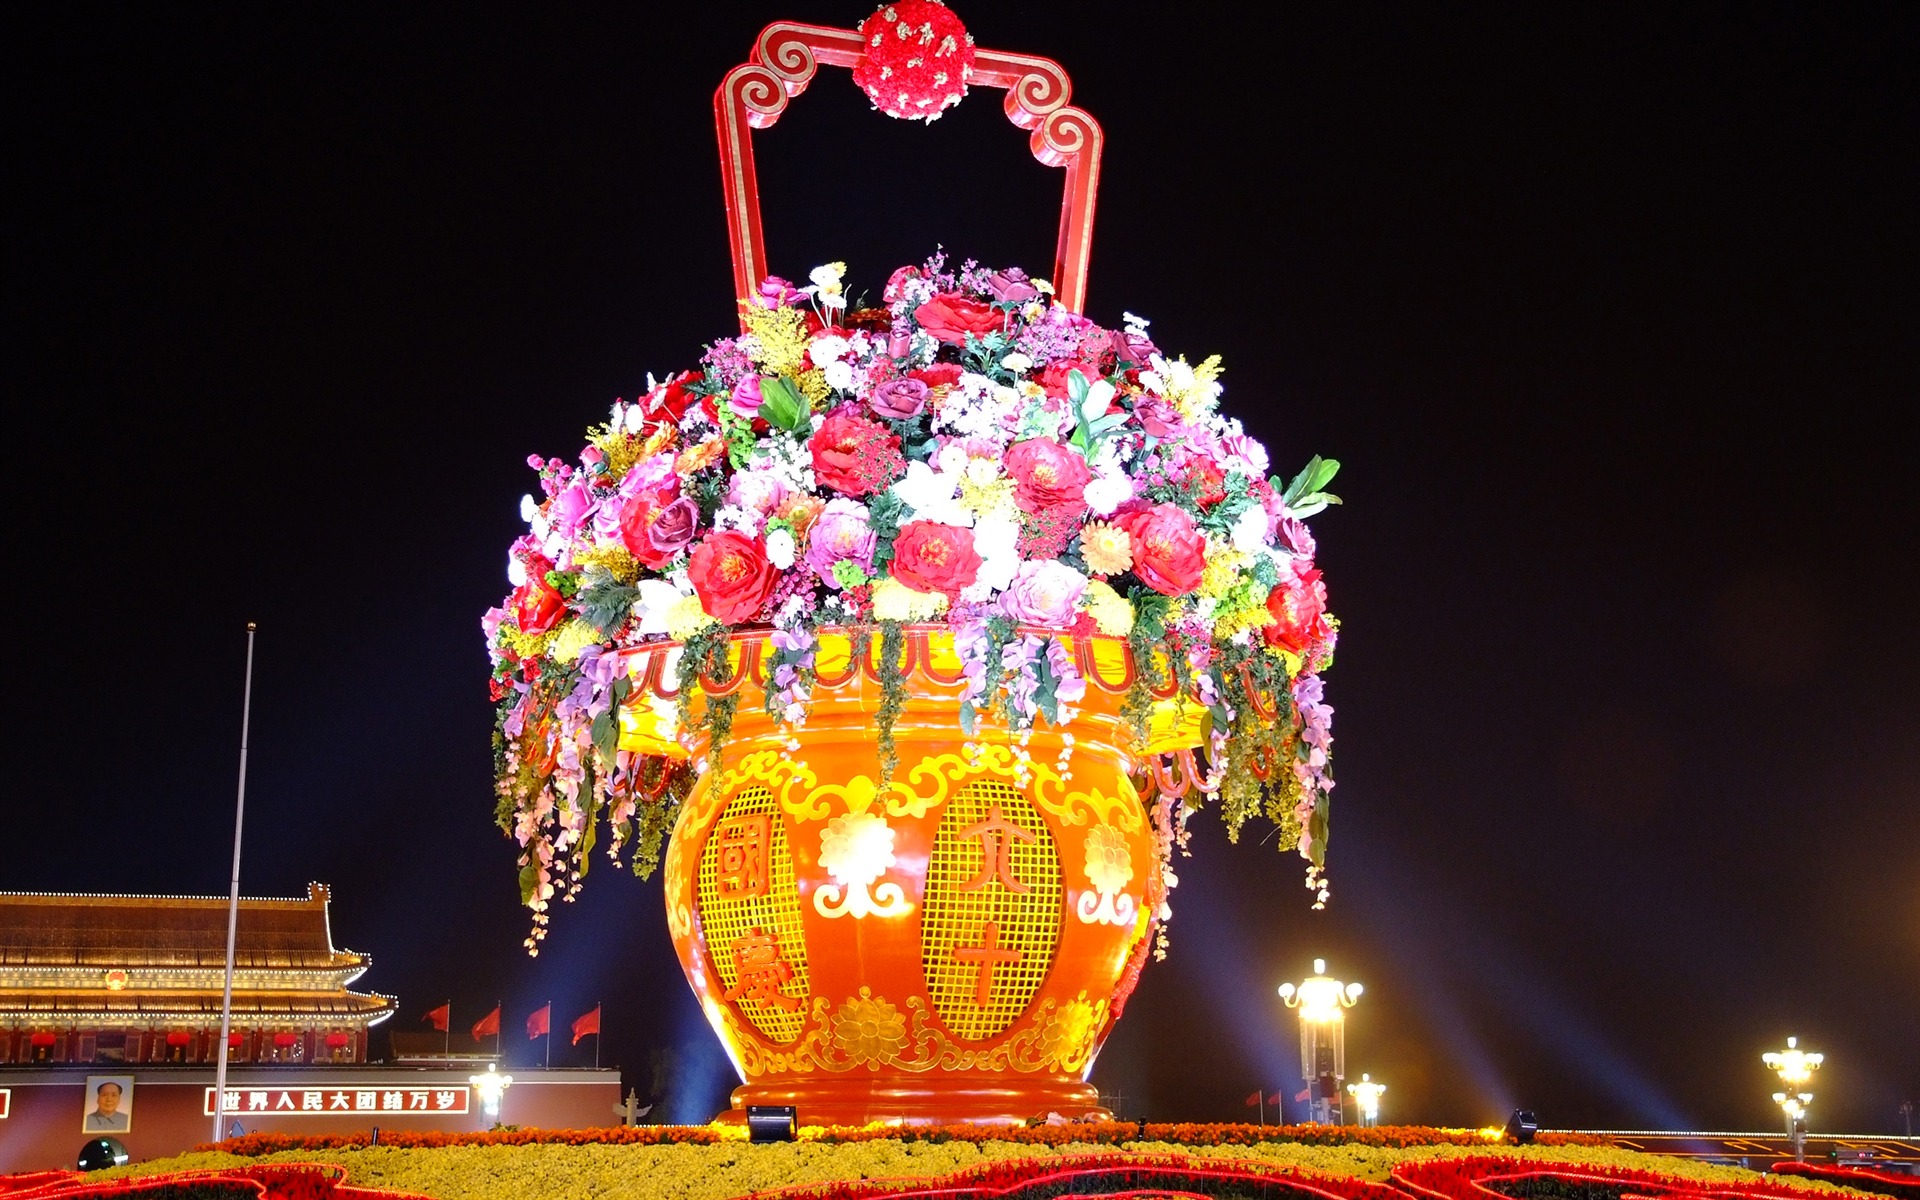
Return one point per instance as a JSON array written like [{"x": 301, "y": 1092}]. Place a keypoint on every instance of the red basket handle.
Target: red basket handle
[{"x": 784, "y": 61}]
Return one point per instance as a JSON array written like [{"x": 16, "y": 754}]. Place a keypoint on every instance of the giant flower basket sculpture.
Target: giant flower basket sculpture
[{"x": 913, "y": 632}]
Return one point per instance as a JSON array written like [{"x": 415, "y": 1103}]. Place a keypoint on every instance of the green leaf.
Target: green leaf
[
  {"x": 1317, "y": 474},
  {"x": 782, "y": 406},
  {"x": 529, "y": 879}
]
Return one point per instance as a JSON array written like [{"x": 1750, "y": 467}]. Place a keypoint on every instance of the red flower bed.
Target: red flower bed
[
  {"x": 1867, "y": 1179},
  {"x": 1515, "y": 1179},
  {"x": 293, "y": 1181},
  {"x": 1100, "y": 1175}
]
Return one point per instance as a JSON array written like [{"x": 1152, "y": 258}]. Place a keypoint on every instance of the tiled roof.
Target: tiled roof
[{"x": 167, "y": 931}]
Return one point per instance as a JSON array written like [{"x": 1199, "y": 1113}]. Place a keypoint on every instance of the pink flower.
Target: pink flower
[
  {"x": 746, "y": 397},
  {"x": 1044, "y": 593},
  {"x": 840, "y": 534},
  {"x": 761, "y": 491}
]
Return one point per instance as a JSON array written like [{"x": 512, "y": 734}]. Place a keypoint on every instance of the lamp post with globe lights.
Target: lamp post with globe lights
[
  {"x": 1795, "y": 1067},
  {"x": 1323, "y": 1043},
  {"x": 1366, "y": 1097}
]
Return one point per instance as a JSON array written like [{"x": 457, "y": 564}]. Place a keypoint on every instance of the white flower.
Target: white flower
[
  {"x": 780, "y": 548},
  {"x": 1104, "y": 493},
  {"x": 636, "y": 419},
  {"x": 982, "y": 470},
  {"x": 826, "y": 348},
  {"x": 1135, "y": 325},
  {"x": 1017, "y": 363},
  {"x": 529, "y": 509},
  {"x": 833, "y": 300},
  {"x": 952, "y": 459},
  {"x": 931, "y": 495},
  {"x": 839, "y": 375},
  {"x": 996, "y": 540},
  {"x": 1249, "y": 532},
  {"x": 516, "y": 571},
  {"x": 827, "y": 278},
  {"x": 657, "y": 598}
]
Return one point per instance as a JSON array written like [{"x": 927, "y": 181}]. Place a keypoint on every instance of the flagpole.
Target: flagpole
[
  {"x": 446, "y": 1035},
  {"x": 497, "y": 1006},
  {"x": 549, "y": 1035},
  {"x": 600, "y": 1018},
  {"x": 233, "y": 898}
]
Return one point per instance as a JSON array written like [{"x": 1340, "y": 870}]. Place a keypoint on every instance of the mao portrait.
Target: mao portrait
[{"x": 109, "y": 1104}]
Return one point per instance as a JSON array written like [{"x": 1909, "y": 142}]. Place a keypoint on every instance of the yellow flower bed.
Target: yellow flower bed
[{"x": 686, "y": 1172}]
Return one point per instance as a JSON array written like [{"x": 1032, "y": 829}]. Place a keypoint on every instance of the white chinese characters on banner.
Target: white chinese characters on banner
[{"x": 341, "y": 1101}]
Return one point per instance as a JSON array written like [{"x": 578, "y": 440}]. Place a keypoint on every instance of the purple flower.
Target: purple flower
[
  {"x": 841, "y": 534},
  {"x": 1011, "y": 285},
  {"x": 1044, "y": 593},
  {"x": 776, "y": 292},
  {"x": 899, "y": 399},
  {"x": 674, "y": 525}
]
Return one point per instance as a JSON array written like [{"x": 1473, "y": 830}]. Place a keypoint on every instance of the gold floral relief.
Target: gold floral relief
[{"x": 871, "y": 1032}]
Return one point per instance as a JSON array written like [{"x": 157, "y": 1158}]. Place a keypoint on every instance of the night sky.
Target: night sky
[{"x": 1609, "y": 311}]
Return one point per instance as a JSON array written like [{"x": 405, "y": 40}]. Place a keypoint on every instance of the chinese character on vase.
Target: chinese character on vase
[{"x": 761, "y": 969}]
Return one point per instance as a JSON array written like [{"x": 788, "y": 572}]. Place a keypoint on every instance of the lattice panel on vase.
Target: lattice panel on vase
[
  {"x": 991, "y": 921},
  {"x": 750, "y": 910}
]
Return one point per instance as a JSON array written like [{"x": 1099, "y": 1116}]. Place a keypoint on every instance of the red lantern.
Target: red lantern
[
  {"x": 179, "y": 1039},
  {"x": 336, "y": 1040},
  {"x": 919, "y": 58},
  {"x": 43, "y": 1039},
  {"x": 285, "y": 1039},
  {"x": 233, "y": 1041}
]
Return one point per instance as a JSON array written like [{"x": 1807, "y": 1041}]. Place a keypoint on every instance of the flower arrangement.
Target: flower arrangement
[{"x": 966, "y": 451}]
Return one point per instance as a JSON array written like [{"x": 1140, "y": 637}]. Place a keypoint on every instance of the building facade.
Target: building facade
[{"x": 107, "y": 980}]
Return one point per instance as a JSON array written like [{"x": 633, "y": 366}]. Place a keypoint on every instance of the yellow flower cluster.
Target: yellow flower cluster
[
  {"x": 612, "y": 556},
  {"x": 687, "y": 618},
  {"x": 895, "y": 601},
  {"x": 1111, "y": 611},
  {"x": 993, "y": 498},
  {"x": 779, "y": 347},
  {"x": 1191, "y": 389},
  {"x": 526, "y": 645},
  {"x": 570, "y": 639}
]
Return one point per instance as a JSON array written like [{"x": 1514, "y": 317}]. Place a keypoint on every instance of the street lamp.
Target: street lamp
[
  {"x": 1366, "y": 1096},
  {"x": 492, "y": 1087},
  {"x": 1795, "y": 1067},
  {"x": 1323, "y": 1043}
]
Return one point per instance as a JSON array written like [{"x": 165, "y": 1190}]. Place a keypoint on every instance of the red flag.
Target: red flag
[
  {"x": 1273, "y": 1101},
  {"x": 540, "y": 1023},
  {"x": 439, "y": 1016},
  {"x": 587, "y": 1024},
  {"x": 1305, "y": 1096},
  {"x": 1254, "y": 1098},
  {"x": 488, "y": 1025}
]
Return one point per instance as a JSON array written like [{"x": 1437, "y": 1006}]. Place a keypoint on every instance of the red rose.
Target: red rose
[
  {"x": 951, "y": 317},
  {"x": 931, "y": 557},
  {"x": 1299, "y": 610},
  {"x": 1168, "y": 551},
  {"x": 732, "y": 576},
  {"x": 1047, "y": 475},
  {"x": 1209, "y": 482},
  {"x": 938, "y": 374},
  {"x": 670, "y": 401},
  {"x": 537, "y": 606},
  {"x": 1053, "y": 378},
  {"x": 855, "y": 456}
]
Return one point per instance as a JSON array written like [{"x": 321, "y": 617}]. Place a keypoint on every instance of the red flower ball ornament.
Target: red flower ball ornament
[{"x": 919, "y": 59}]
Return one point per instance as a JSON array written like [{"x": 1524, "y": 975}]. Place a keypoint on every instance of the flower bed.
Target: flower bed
[
  {"x": 316, "y": 1181},
  {"x": 1866, "y": 1179},
  {"x": 812, "y": 1170},
  {"x": 1111, "y": 1133},
  {"x": 1501, "y": 1178},
  {"x": 1102, "y": 1175}
]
